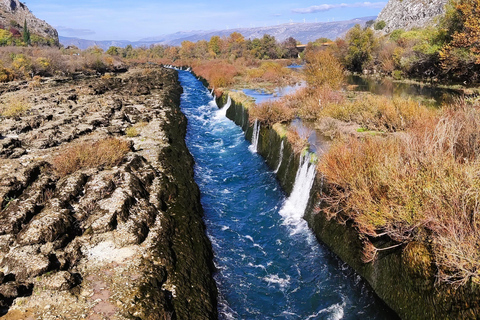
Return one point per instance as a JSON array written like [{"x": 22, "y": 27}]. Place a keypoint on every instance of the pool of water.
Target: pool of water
[
  {"x": 387, "y": 87},
  {"x": 262, "y": 96},
  {"x": 269, "y": 264}
]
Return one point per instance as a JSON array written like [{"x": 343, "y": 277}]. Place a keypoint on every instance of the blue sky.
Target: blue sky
[{"x": 133, "y": 20}]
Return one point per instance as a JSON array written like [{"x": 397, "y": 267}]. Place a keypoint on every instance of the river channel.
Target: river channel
[{"x": 269, "y": 264}]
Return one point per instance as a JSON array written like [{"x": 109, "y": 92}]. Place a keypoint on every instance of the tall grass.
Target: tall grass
[{"x": 421, "y": 186}]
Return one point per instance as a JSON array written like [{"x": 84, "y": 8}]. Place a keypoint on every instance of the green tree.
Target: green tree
[
  {"x": 26, "y": 33},
  {"x": 360, "y": 46},
  {"x": 114, "y": 51},
  {"x": 289, "y": 47}
]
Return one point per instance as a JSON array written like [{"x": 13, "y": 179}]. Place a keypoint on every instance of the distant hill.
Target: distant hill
[
  {"x": 303, "y": 32},
  {"x": 13, "y": 15}
]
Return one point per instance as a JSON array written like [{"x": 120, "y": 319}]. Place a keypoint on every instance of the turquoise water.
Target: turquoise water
[{"x": 269, "y": 265}]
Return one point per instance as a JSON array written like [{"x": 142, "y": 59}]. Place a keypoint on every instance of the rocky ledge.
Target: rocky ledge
[{"x": 102, "y": 242}]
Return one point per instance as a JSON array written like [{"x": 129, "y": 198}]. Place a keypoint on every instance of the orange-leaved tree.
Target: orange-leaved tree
[{"x": 463, "y": 51}]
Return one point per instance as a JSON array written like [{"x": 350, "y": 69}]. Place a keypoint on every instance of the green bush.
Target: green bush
[{"x": 380, "y": 25}]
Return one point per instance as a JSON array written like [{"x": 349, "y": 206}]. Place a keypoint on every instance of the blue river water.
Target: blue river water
[{"x": 268, "y": 267}]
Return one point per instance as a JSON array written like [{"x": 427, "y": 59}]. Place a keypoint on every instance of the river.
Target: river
[{"x": 269, "y": 264}]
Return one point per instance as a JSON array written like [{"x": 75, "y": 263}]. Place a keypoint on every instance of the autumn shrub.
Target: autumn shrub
[
  {"x": 311, "y": 101},
  {"x": 323, "y": 68},
  {"x": 269, "y": 71},
  {"x": 107, "y": 152},
  {"x": 35, "y": 83},
  {"x": 22, "y": 65},
  {"x": 6, "y": 74},
  {"x": 271, "y": 112},
  {"x": 296, "y": 141},
  {"x": 419, "y": 186},
  {"x": 218, "y": 73}
]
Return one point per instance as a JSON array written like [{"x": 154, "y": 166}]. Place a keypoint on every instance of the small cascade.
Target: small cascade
[
  {"x": 294, "y": 207},
  {"x": 280, "y": 158},
  {"x": 212, "y": 92},
  {"x": 222, "y": 113},
  {"x": 255, "y": 136}
]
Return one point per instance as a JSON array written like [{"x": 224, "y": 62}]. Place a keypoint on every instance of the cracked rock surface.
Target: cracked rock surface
[{"x": 123, "y": 242}]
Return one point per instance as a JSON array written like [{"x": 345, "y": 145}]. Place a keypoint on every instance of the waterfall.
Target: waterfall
[
  {"x": 255, "y": 135},
  {"x": 280, "y": 158},
  {"x": 223, "y": 112},
  {"x": 212, "y": 92},
  {"x": 294, "y": 207}
]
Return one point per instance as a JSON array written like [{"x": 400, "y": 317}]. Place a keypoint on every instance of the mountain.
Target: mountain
[
  {"x": 303, "y": 32},
  {"x": 13, "y": 15},
  {"x": 84, "y": 44},
  {"x": 409, "y": 14}
]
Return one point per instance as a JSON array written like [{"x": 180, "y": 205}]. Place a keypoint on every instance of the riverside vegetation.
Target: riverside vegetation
[{"x": 407, "y": 172}]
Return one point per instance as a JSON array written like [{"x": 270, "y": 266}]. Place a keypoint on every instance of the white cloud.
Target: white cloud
[
  {"x": 74, "y": 32},
  {"x": 327, "y": 7}
]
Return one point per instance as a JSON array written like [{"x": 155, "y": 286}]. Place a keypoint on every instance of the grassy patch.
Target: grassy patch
[
  {"x": 131, "y": 132},
  {"x": 419, "y": 186},
  {"x": 14, "y": 106},
  {"x": 108, "y": 152}
]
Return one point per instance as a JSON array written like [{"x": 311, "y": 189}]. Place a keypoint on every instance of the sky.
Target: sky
[{"x": 135, "y": 20}]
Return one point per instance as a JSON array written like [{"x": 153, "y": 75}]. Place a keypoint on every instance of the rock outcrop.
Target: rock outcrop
[
  {"x": 14, "y": 13},
  {"x": 122, "y": 242},
  {"x": 409, "y": 14}
]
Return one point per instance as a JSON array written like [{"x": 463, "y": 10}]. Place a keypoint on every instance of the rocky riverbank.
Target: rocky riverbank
[{"x": 121, "y": 241}]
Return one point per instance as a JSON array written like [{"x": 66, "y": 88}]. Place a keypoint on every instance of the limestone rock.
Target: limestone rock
[{"x": 409, "y": 14}]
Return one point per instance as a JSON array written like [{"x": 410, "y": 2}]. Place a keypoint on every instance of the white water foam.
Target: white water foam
[
  {"x": 223, "y": 112},
  {"x": 255, "y": 136},
  {"x": 336, "y": 312},
  {"x": 281, "y": 158},
  {"x": 272, "y": 279},
  {"x": 294, "y": 207}
]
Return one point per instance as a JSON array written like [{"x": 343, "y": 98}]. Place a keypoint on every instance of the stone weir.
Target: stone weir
[
  {"x": 121, "y": 241},
  {"x": 403, "y": 277}
]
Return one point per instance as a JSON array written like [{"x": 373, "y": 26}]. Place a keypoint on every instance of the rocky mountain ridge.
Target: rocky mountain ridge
[
  {"x": 14, "y": 13},
  {"x": 303, "y": 32},
  {"x": 409, "y": 14}
]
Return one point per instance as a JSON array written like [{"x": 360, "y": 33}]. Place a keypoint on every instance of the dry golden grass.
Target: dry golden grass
[
  {"x": 14, "y": 106},
  {"x": 379, "y": 112},
  {"x": 422, "y": 185},
  {"x": 108, "y": 152}
]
